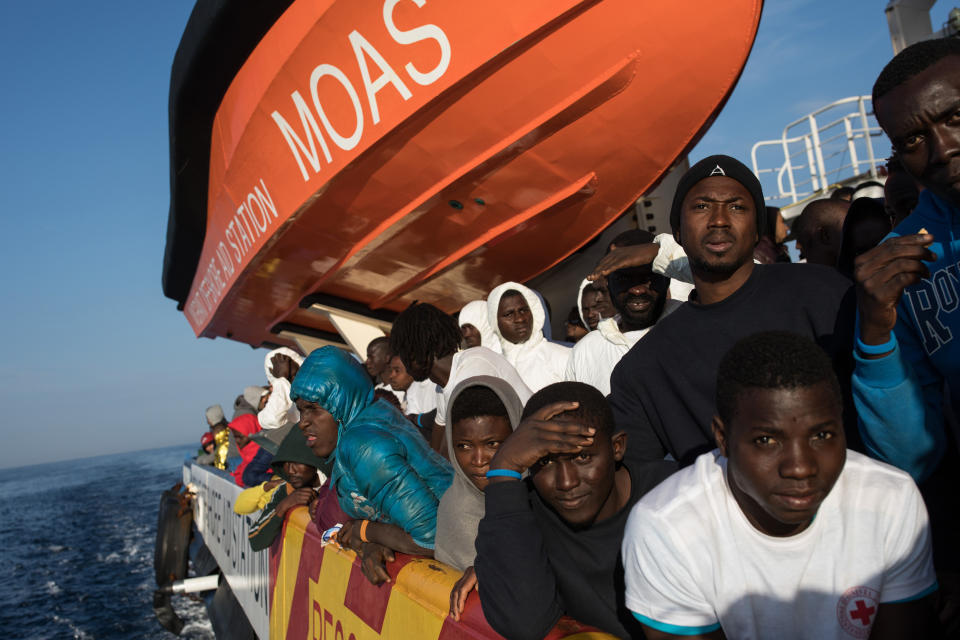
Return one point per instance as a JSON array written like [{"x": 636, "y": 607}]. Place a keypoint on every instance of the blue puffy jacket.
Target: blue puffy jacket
[{"x": 383, "y": 469}]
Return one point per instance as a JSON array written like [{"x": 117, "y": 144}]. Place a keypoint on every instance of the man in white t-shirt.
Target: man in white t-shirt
[{"x": 781, "y": 532}]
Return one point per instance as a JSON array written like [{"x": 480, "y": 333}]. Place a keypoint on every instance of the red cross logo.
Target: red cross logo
[
  {"x": 857, "y": 609},
  {"x": 863, "y": 613}
]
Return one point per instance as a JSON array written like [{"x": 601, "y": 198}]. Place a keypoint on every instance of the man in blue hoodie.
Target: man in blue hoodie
[
  {"x": 908, "y": 345},
  {"x": 385, "y": 474},
  {"x": 906, "y": 382}
]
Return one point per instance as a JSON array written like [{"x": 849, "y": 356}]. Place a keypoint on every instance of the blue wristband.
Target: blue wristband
[
  {"x": 877, "y": 349},
  {"x": 504, "y": 473}
]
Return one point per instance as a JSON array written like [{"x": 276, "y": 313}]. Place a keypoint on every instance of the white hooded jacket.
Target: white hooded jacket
[
  {"x": 593, "y": 358},
  {"x": 583, "y": 285},
  {"x": 475, "y": 313},
  {"x": 478, "y": 361},
  {"x": 279, "y": 410},
  {"x": 538, "y": 361},
  {"x": 583, "y": 318}
]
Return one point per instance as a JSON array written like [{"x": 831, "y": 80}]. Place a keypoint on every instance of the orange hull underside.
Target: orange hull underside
[{"x": 382, "y": 152}]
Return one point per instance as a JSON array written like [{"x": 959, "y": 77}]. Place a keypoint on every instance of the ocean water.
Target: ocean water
[{"x": 76, "y": 548}]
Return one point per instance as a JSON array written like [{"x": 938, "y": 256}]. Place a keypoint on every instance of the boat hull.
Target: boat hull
[{"x": 376, "y": 153}]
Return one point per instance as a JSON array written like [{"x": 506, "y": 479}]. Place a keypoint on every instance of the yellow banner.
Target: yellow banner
[{"x": 320, "y": 593}]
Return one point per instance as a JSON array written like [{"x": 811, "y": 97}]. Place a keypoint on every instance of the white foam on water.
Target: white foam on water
[
  {"x": 111, "y": 558},
  {"x": 52, "y": 588},
  {"x": 134, "y": 550},
  {"x": 78, "y": 633},
  {"x": 56, "y": 548},
  {"x": 197, "y": 625},
  {"x": 198, "y": 631}
]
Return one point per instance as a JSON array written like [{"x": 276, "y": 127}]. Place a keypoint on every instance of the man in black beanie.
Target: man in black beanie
[{"x": 662, "y": 391}]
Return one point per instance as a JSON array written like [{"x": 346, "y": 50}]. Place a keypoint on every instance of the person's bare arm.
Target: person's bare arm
[
  {"x": 388, "y": 535},
  {"x": 438, "y": 437},
  {"x": 623, "y": 257},
  {"x": 914, "y": 619},
  {"x": 373, "y": 562},
  {"x": 381, "y": 541},
  {"x": 460, "y": 591},
  {"x": 298, "y": 498}
]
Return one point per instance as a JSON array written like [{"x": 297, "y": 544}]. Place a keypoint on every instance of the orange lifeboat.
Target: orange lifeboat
[{"x": 369, "y": 153}]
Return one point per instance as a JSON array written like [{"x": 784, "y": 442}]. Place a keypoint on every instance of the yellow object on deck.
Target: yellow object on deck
[{"x": 222, "y": 440}]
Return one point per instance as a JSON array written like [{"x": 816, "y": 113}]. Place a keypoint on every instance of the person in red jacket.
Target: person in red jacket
[{"x": 242, "y": 427}]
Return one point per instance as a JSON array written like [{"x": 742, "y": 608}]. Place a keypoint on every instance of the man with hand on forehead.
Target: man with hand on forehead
[
  {"x": 640, "y": 297},
  {"x": 781, "y": 532},
  {"x": 662, "y": 390},
  {"x": 549, "y": 544}
]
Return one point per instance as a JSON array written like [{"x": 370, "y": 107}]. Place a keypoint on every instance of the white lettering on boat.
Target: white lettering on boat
[
  {"x": 307, "y": 144},
  {"x": 344, "y": 142},
  {"x": 361, "y": 47},
  {"x": 226, "y": 536},
  {"x": 250, "y": 222},
  {"x": 418, "y": 34}
]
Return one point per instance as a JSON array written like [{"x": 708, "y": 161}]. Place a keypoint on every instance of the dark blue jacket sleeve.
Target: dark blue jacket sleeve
[{"x": 258, "y": 469}]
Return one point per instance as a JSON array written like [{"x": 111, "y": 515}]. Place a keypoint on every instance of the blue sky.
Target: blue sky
[{"x": 95, "y": 359}]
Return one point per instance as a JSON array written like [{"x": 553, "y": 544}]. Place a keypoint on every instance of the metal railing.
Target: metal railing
[{"x": 832, "y": 145}]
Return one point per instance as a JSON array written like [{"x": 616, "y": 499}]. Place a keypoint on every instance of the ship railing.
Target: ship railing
[
  {"x": 300, "y": 588},
  {"x": 320, "y": 592},
  {"x": 225, "y": 534},
  {"x": 832, "y": 145}
]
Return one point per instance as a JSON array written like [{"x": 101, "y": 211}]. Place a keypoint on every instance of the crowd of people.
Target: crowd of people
[{"x": 729, "y": 445}]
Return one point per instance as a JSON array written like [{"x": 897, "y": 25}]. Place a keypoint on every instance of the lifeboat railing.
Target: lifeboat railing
[{"x": 832, "y": 145}]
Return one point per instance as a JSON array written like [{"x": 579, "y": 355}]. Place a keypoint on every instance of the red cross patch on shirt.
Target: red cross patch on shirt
[{"x": 857, "y": 609}]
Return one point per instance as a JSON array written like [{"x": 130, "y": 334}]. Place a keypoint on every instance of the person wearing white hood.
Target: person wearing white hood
[
  {"x": 517, "y": 317},
  {"x": 475, "y": 327},
  {"x": 640, "y": 298},
  {"x": 281, "y": 366},
  {"x": 591, "y": 304}
]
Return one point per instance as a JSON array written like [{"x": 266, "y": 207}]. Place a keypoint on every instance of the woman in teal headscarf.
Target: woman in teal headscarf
[{"x": 383, "y": 469}]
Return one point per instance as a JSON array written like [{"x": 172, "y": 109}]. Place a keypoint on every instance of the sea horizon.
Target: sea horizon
[{"x": 101, "y": 455}]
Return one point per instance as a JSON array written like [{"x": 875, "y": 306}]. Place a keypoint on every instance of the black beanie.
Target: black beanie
[{"x": 719, "y": 166}]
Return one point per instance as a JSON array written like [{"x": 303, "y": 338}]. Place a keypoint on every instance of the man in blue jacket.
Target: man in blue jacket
[
  {"x": 906, "y": 382},
  {"x": 908, "y": 345},
  {"x": 385, "y": 474}
]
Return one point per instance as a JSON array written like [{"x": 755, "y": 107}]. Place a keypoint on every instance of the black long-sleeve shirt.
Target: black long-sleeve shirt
[
  {"x": 533, "y": 568},
  {"x": 662, "y": 392}
]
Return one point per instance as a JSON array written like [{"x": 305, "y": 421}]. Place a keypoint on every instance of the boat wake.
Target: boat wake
[{"x": 78, "y": 549}]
